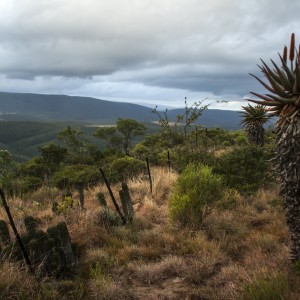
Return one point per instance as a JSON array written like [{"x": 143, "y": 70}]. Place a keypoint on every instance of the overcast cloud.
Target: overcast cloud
[{"x": 154, "y": 51}]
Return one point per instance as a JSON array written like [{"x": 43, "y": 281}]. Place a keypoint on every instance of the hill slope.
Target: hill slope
[{"x": 38, "y": 107}]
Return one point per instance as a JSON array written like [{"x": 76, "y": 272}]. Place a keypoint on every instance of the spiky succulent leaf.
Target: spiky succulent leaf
[
  {"x": 254, "y": 115},
  {"x": 283, "y": 83}
]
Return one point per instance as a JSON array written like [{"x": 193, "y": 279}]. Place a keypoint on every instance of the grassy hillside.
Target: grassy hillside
[{"x": 241, "y": 252}]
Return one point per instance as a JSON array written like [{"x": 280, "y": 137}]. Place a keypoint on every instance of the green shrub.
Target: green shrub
[
  {"x": 140, "y": 152},
  {"x": 241, "y": 140},
  {"x": 184, "y": 155},
  {"x": 125, "y": 167},
  {"x": 76, "y": 175},
  {"x": 244, "y": 169},
  {"x": 196, "y": 191},
  {"x": 21, "y": 186}
]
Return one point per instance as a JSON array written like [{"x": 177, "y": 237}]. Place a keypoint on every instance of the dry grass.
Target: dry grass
[
  {"x": 239, "y": 251},
  {"x": 15, "y": 282},
  {"x": 152, "y": 273}
]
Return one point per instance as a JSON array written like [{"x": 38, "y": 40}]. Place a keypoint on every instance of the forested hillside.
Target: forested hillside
[{"x": 38, "y": 107}]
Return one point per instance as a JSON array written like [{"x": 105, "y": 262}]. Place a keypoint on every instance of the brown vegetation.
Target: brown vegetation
[{"x": 238, "y": 253}]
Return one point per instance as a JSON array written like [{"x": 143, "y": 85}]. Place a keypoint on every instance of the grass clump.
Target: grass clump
[
  {"x": 276, "y": 287},
  {"x": 196, "y": 191}
]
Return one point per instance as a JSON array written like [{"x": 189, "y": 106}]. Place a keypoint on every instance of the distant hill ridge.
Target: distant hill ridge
[{"x": 41, "y": 107}]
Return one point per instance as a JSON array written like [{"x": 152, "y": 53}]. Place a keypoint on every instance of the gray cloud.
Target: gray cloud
[{"x": 150, "y": 47}]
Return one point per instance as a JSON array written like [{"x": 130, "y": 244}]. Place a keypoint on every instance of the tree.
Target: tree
[
  {"x": 122, "y": 135},
  {"x": 79, "y": 149},
  {"x": 284, "y": 102},
  {"x": 189, "y": 116},
  {"x": 52, "y": 156},
  {"x": 129, "y": 129},
  {"x": 7, "y": 163},
  {"x": 72, "y": 138},
  {"x": 254, "y": 118},
  {"x": 108, "y": 134}
]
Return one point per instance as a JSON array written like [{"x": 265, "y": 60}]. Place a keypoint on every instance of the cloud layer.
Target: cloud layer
[{"x": 157, "y": 50}]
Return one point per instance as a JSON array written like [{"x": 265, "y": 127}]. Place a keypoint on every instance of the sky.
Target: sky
[{"x": 155, "y": 52}]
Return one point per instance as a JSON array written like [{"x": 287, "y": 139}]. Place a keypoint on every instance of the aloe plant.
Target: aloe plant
[
  {"x": 254, "y": 117},
  {"x": 284, "y": 101}
]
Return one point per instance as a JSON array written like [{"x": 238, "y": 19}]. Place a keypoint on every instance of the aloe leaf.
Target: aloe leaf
[
  {"x": 265, "y": 103},
  {"x": 272, "y": 74},
  {"x": 282, "y": 100},
  {"x": 287, "y": 70},
  {"x": 296, "y": 88},
  {"x": 264, "y": 84},
  {"x": 262, "y": 96},
  {"x": 284, "y": 79}
]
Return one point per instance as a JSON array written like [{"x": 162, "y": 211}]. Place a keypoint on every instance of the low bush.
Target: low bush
[
  {"x": 196, "y": 191},
  {"x": 125, "y": 168},
  {"x": 184, "y": 155},
  {"x": 245, "y": 168}
]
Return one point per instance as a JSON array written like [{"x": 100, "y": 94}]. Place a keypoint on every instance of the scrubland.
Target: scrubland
[{"x": 240, "y": 251}]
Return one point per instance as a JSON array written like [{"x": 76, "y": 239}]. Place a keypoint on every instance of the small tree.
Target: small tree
[
  {"x": 72, "y": 138},
  {"x": 128, "y": 130},
  {"x": 122, "y": 134},
  {"x": 185, "y": 120},
  {"x": 108, "y": 134},
  {"x": 191, "y": 114},
  {"x": 52, "y": 156},
  {"x": 7, "y": 163}
]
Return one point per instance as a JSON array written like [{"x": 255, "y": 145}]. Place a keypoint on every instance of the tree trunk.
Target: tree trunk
[
  {"x": 288, "y": 165},
  {"x": 256, "y": 134}
]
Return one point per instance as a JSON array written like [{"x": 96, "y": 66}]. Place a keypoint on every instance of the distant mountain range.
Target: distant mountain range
[{"x": 40, "y": 107}]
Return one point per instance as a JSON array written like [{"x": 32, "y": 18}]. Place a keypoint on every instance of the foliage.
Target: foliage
[
  {"x": 76, "y": 176},
  {"x": 184, "y": 155},
  {"x": 196, "y": 192},
  {"x": 253, "y": 119},
  {"x": 254, "y": 115},
  {"x": 53, "y": 155},
  {"x": 284, "y": 84},
  {"x": 185, "y": 120},
  {"x": 141, "y": 152},
  {"x": 126, "y": 167},
  {"x": 245, "y": 168},
  {"x": 121, "y": 136},
  {"x": 129, "y": 129},
  {"x": 7, "y": 164},
  {"x": 108, "y": 135},
  {"x": 230, "y": 199},
  {"x": 284, "y": 102},
  {"x": 72, "y": 138},
  {"x": 19, "y": 186},
  {"x": 191, "y": 114},
  {"x": 64, "y": 206}
]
